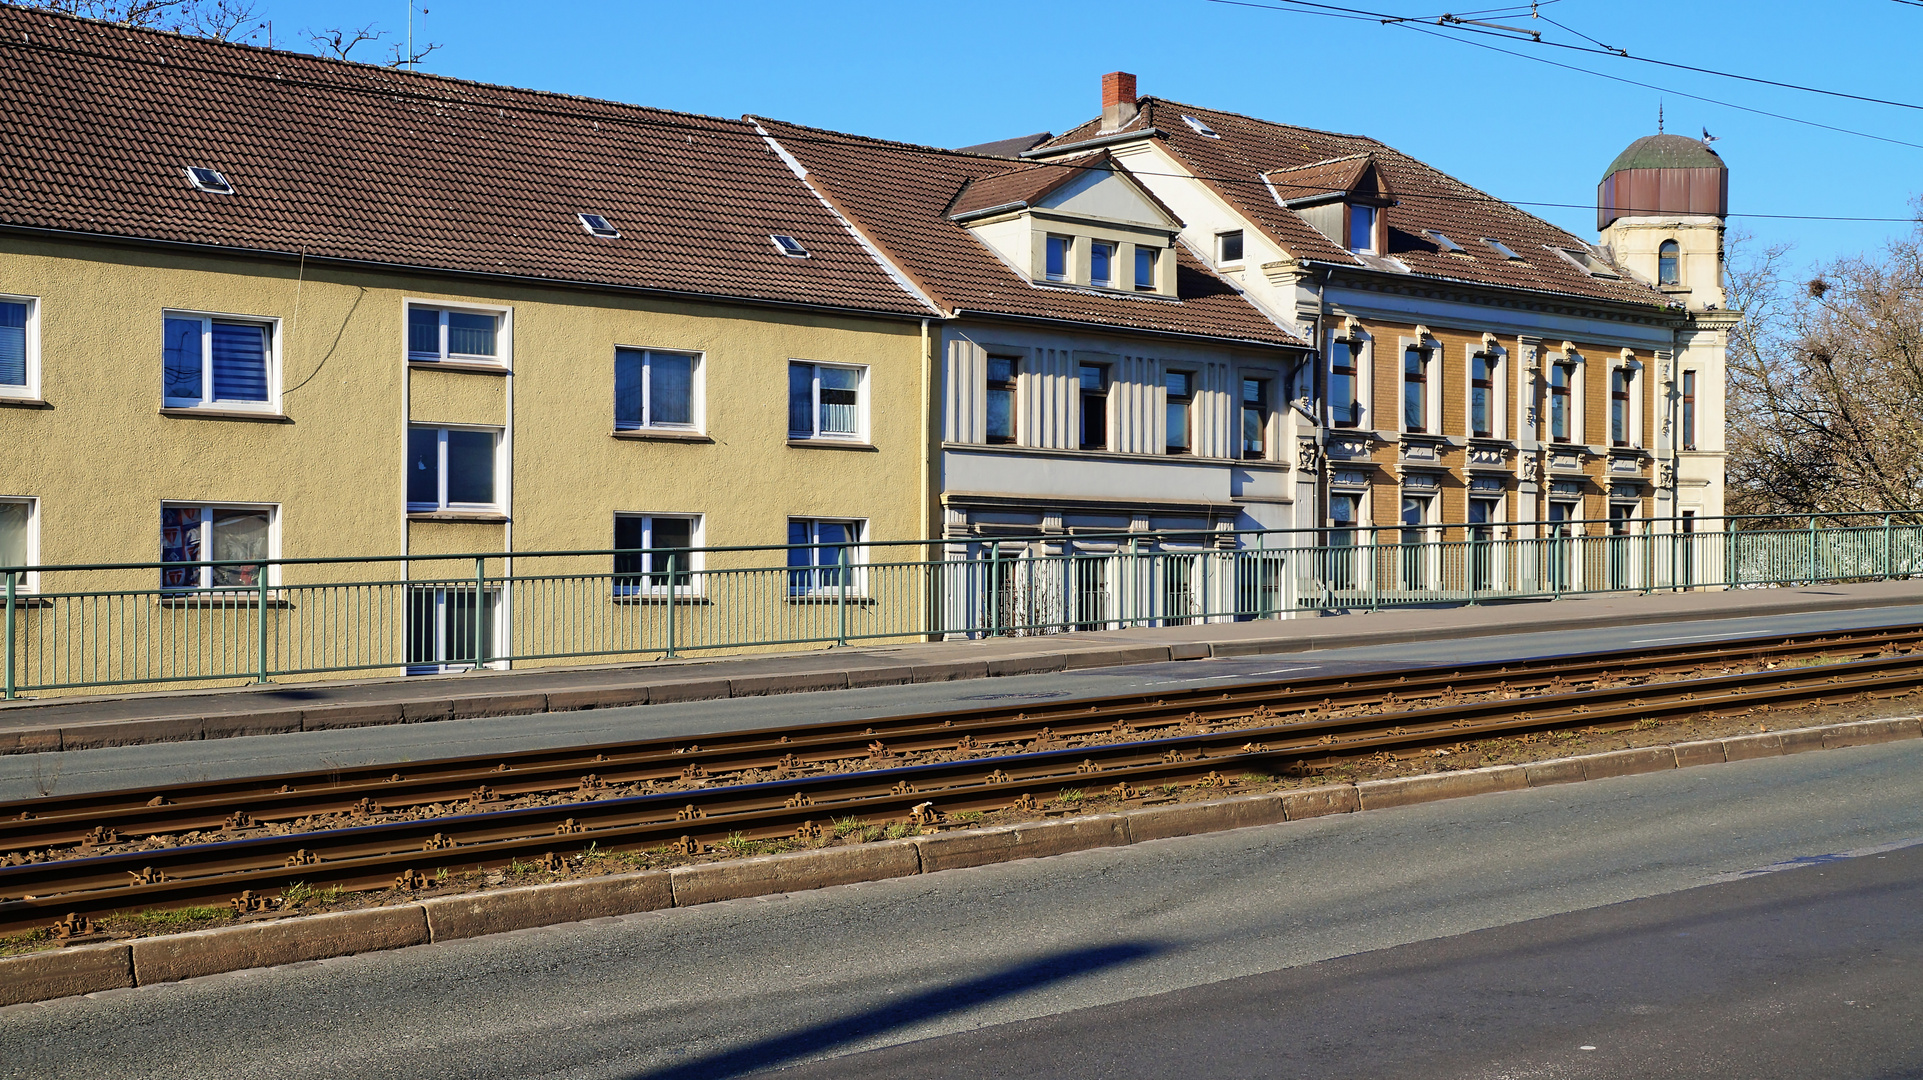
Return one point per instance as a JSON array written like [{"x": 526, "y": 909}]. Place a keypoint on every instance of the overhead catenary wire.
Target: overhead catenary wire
[
  {"x": 1408, "y": 24},
  {"x": 1402, "y": 20}
]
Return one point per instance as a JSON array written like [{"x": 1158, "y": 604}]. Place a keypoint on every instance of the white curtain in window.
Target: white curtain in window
[{"x": 13, "y": 534}]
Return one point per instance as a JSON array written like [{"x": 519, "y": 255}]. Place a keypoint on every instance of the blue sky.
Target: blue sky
[{"x": 950, "y": 75}]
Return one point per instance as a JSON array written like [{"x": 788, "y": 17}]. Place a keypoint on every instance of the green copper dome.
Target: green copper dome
[{"x": 1665, "y": 152}]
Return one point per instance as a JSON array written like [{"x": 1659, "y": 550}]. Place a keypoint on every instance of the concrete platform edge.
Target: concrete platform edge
[{"x": 88, "y": 969}]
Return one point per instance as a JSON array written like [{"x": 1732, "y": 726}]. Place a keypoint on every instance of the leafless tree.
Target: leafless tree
[
  {"x": 339, "y": 43},
  {"x": 222, "y": 20},
  {"x": 1825, "y": 380},
  {"x": 158, "y": 14},
  {"x": 401, "y": 59}
]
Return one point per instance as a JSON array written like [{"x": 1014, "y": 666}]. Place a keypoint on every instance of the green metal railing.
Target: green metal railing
[{"x": 70, "y": 627}]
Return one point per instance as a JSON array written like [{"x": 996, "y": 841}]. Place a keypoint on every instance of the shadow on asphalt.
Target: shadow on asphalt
[{"x": 1018, "y": 979}]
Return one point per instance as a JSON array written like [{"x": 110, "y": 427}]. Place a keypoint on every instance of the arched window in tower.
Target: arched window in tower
[{"x": 1668, "y": 270}]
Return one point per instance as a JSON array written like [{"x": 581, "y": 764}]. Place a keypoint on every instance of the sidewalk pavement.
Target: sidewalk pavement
[{"x": 78, "y": 723}]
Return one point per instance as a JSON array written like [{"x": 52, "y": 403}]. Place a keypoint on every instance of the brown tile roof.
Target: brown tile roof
[
  {"x": 357, "y": 162},
  {"x": 1021, "y": 186},
  {"x": 1343, "y": 175},
  {"x": 900, "y": 196},
  {"x": 1008, "y": 148},
  {"x": 1247, "y": 148}
]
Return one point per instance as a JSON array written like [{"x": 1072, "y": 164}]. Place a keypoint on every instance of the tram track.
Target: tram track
[{"x": 1130, "y": 747}]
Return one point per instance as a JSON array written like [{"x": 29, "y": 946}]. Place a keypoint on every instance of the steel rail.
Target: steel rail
[
  {"x": 477, "y": 780},
  {"x": 404, "y": 852}
]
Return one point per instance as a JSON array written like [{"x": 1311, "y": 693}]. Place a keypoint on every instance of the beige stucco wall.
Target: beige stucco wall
[{"x": 100, "y": 458}]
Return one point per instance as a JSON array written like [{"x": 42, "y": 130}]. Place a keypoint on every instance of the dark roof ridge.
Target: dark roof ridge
[
  {"x": 1151, "y": 100},
  {"x": 875, "y": 140},
  {"x": 344, "y": 65}
]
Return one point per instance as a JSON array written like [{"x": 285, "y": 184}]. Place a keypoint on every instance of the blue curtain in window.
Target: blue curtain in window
[
  {"x": 671, "y": 388},
  {"x": 801, "y": 400},
  {"x": 627, "y": 389},
  {"x": 240, "y": 362},
  {"x": 180, "y": 359},
  {"x": 13, "y": 344},
  {"x": 424, "y": 331}
]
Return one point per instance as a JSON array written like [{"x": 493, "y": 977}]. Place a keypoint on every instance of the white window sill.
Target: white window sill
[
  {"x": 647, "y": 434},
  {"x": 822, "y": 443},
  {"x": 214, "y": 412},
  {"x": 475, "y": 367},
  {"x": 473, "y": 517},
  {"x": 186, "y": 598}
]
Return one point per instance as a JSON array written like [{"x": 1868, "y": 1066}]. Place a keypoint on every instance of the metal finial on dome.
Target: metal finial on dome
[{"x": 1659, "y": 116}]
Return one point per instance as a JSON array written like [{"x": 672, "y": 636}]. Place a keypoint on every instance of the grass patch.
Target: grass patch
[
  {"x": 901, "y": 829},
  {"x": 26, "y": 941},
  {"x": 300, "y": 893},
  {"x": 966, "y": 817},
  {"x": 173, "y": 918},
  {"x": 861, "y": 831},
  {"x": 1256, "y": 778},
  {"x": 739, "y": 845},
  {"x": 1070, "y": 796}
]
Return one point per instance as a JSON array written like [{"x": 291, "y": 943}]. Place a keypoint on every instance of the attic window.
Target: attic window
[
  {"x": 596, "y": 225},
  {"x": 1201, "y": 129},
  {"x": 208, "y": 180},
  {"x": 1501, "y": 249},
  {"x": 789, "y": 246},
  {"x": 1587, "y": 262},
  {"x": 1448, "y": 246}
]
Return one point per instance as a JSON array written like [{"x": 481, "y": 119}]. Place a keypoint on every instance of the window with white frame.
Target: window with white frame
[
  {"x": 17, "y": 541},
  {"x": 1228, "y": 248},
  {"x": 451, "y": 468},
  {"x": 1145, "y": 260},
  {"x": 1362, "y": 228},
  {"x": 1563, "y": 421},
  {"x": 1415, "y": 389},
  {"x": 1625, "y": 408},
  {"x": 1101, "y": 263},
  {"x": 1689, "y": 410},
  {"x": 448, "y": 630},
  {"x": 240, "y": 535},
  {"x": 1485, "y": 396},
  {"x": 653, "y": 552},
  {"x": 1060, "y": 250},
  {"x": 461, "y": 335},
  {"x": 220, "y": 361},
  {"x": 825, "y": 401},
  {"x": 19, "y": 347},
  {"x": 1345, "y": 382},
  {"x": 824, "y": 556},
  {"x": 655, "y": 389}
]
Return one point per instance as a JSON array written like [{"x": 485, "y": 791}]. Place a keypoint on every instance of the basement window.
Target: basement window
[
  {"x": 208, "y": 180},
  {"x": 596, "y": 225},
  {"x": 789, "y": 246},
  {"x": 1201, "y": 129}
]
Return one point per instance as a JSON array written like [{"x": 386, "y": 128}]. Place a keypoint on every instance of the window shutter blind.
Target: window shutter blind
[
  {"x": 13, "y": 344},
  {"x": 240, "y": 362}
]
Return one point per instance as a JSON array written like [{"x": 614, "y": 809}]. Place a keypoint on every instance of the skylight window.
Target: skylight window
[
  {"x": 789, "y": 246},
  {"x": 596, "y": 225},
  {"x": 208, "y": 180},
  {"x": 1587, "y": 262},
  {"x": 1448, "y": 246},
  {"x": 1501, "y": 249},
  {"x": 1200, "y": 128}
]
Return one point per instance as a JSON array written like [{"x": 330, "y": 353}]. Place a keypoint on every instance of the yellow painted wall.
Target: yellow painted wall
[{"x": 101, "y": 458}]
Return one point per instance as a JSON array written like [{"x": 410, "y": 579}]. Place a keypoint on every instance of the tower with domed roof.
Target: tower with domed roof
[{"x": 1660, "y": 209}]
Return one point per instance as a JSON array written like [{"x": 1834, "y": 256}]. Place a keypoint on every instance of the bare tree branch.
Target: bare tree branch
[{"x": 338, "y": 43}]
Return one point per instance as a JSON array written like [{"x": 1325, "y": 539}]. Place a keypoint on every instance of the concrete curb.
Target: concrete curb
[
  {"x": 91, "y": 969},
  {"x": 706, "y": 681}
]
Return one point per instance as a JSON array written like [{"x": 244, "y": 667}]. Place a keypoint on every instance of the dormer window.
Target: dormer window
[
  {"x": 208, "y": 180},
  {"x": 1145, "y": 258},
  {"x": 1669, "y": 263},
  {"x": 1362, "y": 228},
  {"x": 1101, "y": 264},
  {"x": 1228, "y": 247},
  {"x": 1059, "y": 250}
]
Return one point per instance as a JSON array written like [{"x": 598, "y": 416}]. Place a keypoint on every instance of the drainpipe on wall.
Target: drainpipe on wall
[{"x": 1318, "y": 390}]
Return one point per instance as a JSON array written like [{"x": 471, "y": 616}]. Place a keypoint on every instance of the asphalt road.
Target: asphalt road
[
  {"x": 25, "y": 776},
  {"x": 1486, "y": 937}
]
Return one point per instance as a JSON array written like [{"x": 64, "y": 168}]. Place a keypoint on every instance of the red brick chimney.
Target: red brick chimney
[{"x": 1118, "y": 100}]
